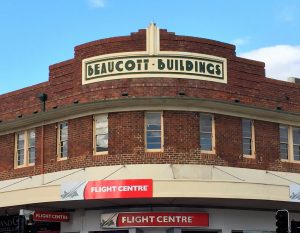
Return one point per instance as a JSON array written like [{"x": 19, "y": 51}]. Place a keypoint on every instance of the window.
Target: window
[
  {"x": 296, "y": 143},
  {"x": 153, "y": 129},
  {"x": 101, "y": 134},
  {"x": 207, "y": 142},
  {"x": 25, "y": 148},
  {"x": 289, "y": 143},
  {"x": 248, "y": 138},
  {"x": 284, "y": 148},
  {"x": 62, "y": 143}
]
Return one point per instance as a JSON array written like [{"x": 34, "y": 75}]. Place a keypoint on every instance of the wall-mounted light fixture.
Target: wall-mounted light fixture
[{"x": 43, "y": 98}]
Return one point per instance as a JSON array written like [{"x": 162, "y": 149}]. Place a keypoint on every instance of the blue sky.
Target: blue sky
[{"x": 36, "y": 34}]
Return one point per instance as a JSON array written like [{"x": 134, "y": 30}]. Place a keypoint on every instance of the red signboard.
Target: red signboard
[
  {"x": 150, "y": 219},
  {"x": 45, "y": 216},
  {"x": 106, "y": 189}
]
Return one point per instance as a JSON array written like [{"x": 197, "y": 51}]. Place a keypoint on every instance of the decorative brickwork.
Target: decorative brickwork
[{"x": 246, "y": 85}]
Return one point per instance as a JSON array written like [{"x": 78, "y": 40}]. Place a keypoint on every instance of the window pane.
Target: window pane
[
  {"x": 283, "y": 151},
  {"x": 154, "y": 140},
  {"x": 205, "y": 123},
  {"x": 247, "y": 128},
  {"x": 247, "y": 146},
  {"x": 63, "y": 139},
  {"x": 296, "y": 142},
  {"x": 64, "y": 135},
  {"x": 206, "y": 131},
  {"x": 101, "y": 120},
  {"x": 153, "y": 134},
  {"x": 247, "y": 136},
  {"x": 283, "y": 133},
  {"x": 297, "y": 152},
  {"x": 153, "y": 118},
  {"x": 20, "y": 157},
  {"x": 63, "y": 125},
  {"x": 153, "y": 127},
  {"x": 206, "y": 144},
  {"x": 101, "y": 131},
  {"x": 20, "y": 140},
  {"x": 154, "y": 146},
  {"x": 296, "y": 136},
  {"x": 31, "y": 155},
  {"x": 31, "y": 138},
  {"x": 64, "y": 149},
  {"x": 101, "y": 142},
  {"x": 153, "y": 130}
]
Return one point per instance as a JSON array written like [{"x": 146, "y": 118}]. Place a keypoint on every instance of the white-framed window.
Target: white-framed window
[
  {"x": 101, "y": 134},
  {"x": 25, "y": 148},
  {"x": 248, "y": 138},
  {"x": 289, "y": 143},
  {"x": 284, "y": 141},
  {"x": 154, "y": 131},
  {"x": 296, "y": 144},
  {"x": 207, "y": 133},
  {"x": 62, "y": 140}
]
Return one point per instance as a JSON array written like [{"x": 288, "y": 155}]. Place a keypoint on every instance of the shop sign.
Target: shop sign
[
  {"x": 45, "y": 216},
  {"x": 201, "y": 67},
  {"x": 154, "y": 63},
  {"x": 295, "y": 192},
  {"x": 107, "y": 189},
  {"x": 9, "y": 224},
  {"x": 154, "y": 219}
]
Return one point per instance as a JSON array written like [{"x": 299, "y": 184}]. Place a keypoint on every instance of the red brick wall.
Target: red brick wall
[
  {"x": 267, "y": 138},
  {"x": 126, "y": 145},
  {"x": 50, "y": 143},
  {"x": 229, "y": 138},
  {"x": 126, "y": 133},
  {"x": 246, "y": 79},
  {"x": 6, "y": 152},
  {"x": 246, "y": 82},
  {"x": 181, "y": 131},
  {"x": 80, "y": 139}
]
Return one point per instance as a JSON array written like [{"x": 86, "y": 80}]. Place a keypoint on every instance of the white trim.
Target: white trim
[
  {"x": 26, "y": 149},
  {"x": 58, "y": 144},
  {"x": 291, "y": 157},
  {"x": 94, "y": 135},
  {"x": 253, "y": 152},
  {"x": 213, "y": 132},
  {"x": 153, "y": 39},
  {"x": 176, "y": 180},
  {"x": 156, "y": 104}
]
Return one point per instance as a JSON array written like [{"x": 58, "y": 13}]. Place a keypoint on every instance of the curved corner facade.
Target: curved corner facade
[{"x": 154, "y": 133}]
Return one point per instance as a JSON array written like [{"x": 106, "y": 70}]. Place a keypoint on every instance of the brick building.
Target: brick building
[{"x": 153, "y": 132}]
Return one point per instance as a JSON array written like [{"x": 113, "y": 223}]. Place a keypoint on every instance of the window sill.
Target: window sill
[
  {"x": 154, "y": 151},
  {"x": 211, "y": 152},
  {"x": 24, "y": 166},
  {"x": 249, "y": 156},
  {"x": 290, "y": 161},
  {"x": 101, "y": 153},
  {"x": 61, "y": 158}
]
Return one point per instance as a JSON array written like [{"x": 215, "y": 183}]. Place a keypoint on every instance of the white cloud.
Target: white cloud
[
  {"x": 282, "y": 61},
  {"x": 96, "y": 3},
  {"x": 288, "y": 13},
  {"x": 240, "y": 41}
]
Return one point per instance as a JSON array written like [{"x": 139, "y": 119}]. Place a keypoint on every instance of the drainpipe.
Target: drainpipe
[
  {"x": 42, "y": 153},
  {"x": 43, "y": 98}
]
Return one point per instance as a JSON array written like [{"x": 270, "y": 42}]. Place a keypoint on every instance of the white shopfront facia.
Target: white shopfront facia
[{"x": 220, "y": 220}]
